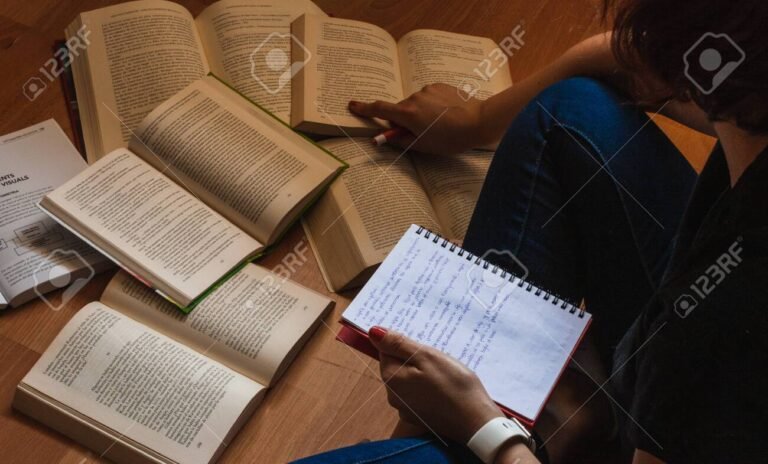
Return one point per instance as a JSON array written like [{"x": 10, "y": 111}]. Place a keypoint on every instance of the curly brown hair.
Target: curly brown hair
[{"x": 713, "y": 52}]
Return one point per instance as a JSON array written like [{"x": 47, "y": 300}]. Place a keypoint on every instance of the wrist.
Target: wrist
[
  {"x": 515, "y": 451},
  {"x": 487, "y": 130},
  {"x": 496, "y": 436}
]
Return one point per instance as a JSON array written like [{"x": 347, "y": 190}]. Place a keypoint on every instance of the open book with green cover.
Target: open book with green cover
[
  {"x": 133, "y": 379},
  {"x": 207, "y": 182}
]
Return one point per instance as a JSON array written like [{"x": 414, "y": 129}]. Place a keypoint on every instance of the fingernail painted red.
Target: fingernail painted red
[{"x": 377, "y": 333}]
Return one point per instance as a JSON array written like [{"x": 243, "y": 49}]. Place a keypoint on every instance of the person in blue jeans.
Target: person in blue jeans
[{"x": 600, "y": 207}]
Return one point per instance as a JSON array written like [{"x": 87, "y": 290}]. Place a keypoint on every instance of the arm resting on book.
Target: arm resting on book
[{"x": 457, "y": 124}]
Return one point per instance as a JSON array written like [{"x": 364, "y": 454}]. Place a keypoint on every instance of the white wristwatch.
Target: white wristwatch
[{"x": 487, "y": 441}]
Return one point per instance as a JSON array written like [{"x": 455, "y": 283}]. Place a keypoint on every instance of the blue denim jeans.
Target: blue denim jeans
[{"x": 587, "y": 194}]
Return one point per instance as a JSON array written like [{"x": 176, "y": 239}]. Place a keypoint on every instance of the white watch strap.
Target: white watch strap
[{"x": 487, "y": 441}]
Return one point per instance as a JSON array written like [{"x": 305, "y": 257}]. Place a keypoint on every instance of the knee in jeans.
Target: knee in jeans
[{"x": 586, "y": 89}]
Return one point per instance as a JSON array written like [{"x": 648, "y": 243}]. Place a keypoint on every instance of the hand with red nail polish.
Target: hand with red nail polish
[{"x": 430, "y": 388}]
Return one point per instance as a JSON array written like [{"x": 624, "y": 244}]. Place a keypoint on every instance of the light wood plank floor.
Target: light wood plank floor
[{"x": 331, "y": 396}]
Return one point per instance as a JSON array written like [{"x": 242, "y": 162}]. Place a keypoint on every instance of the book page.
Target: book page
[
  {"x": 140, "y": 54},
  {"x": 380, "y": 195},
  {"x": 473, "y": 64},
  {"x": 242, "y": 39},
  {"x": 143, "y": 385},
  {"x": 516, "y": 340},
  {"x": 253, "y": 169},
  {"x": 453, "y": 184},
  {"x": 349, "y": 60},
  {"x": 34, "y": 249},
  {"x": 253, "y": 323},
  {"x": 151, "y": 225}
]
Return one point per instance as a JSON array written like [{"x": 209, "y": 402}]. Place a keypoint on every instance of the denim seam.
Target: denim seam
[
  {"x": 604, "y": 165},
  {"x": 529, "y": 199},
  {"x": 394, "y": 453}
]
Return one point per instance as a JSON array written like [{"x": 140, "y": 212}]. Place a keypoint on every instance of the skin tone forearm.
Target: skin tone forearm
[
  {"x": 515, "y": 453},
  {"x": 439, "y": 121}
]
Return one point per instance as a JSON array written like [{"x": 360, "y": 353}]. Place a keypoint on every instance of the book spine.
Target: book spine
[{"x": 104, "y": 442}]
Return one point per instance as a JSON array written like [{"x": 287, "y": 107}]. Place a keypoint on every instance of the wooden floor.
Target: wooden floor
[{"x": 331, "y": 396}]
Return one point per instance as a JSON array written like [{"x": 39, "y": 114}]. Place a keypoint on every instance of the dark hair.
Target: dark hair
[{"x": 691, "y": 44}]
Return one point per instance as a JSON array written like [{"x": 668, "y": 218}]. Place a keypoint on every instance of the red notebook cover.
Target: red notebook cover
[{"x": 357, "y": 339}]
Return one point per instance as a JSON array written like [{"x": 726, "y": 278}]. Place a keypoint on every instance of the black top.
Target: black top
[{"x": 692, "y": 371}]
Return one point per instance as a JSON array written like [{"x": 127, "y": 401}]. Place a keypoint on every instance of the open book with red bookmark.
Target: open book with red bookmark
[{"x": 518, "y": 338}]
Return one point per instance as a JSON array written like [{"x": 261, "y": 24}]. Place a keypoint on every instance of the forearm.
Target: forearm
[{"x": 592, "y": 57}]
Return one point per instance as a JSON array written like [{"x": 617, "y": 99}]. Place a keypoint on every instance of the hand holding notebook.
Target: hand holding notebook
[{"x": 516, "y": 337}]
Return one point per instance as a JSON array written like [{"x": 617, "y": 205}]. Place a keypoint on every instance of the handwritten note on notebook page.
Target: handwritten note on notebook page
[{"x": 516, "y": 337}]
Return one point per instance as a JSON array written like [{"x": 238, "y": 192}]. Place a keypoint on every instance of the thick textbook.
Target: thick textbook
[
  {"x": 135, "y": 380},
  {"x": 339, "y": 60},
  {"x": 379, "y": 196},
  {"x": 140, "y": 53}
]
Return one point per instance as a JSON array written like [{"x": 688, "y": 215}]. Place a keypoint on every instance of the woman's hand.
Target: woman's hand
[
  {"x": 429, "y": 387},
  {"x": 441, "y": 119}
]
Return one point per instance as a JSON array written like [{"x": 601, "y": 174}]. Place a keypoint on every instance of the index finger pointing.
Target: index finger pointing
[{"x": 379, "y": 109}]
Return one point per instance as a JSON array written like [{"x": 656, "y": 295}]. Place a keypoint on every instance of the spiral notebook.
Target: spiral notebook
[{"x": 518, "y": 338}]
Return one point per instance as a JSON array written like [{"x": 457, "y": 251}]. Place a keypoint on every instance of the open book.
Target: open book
[
  {"x": 136, "y": 381},
  {"x": 351, "y": 60},
  {"x": 140, "y": 53},
  {"x": 381, "y": 194},
  {"x": 517, "y": 338},
  {"x": 35, "y": 251},
  {"x": 207, "y": 182}
]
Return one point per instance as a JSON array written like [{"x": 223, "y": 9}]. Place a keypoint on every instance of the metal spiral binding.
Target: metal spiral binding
[{"x": 527, "y": 285}]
